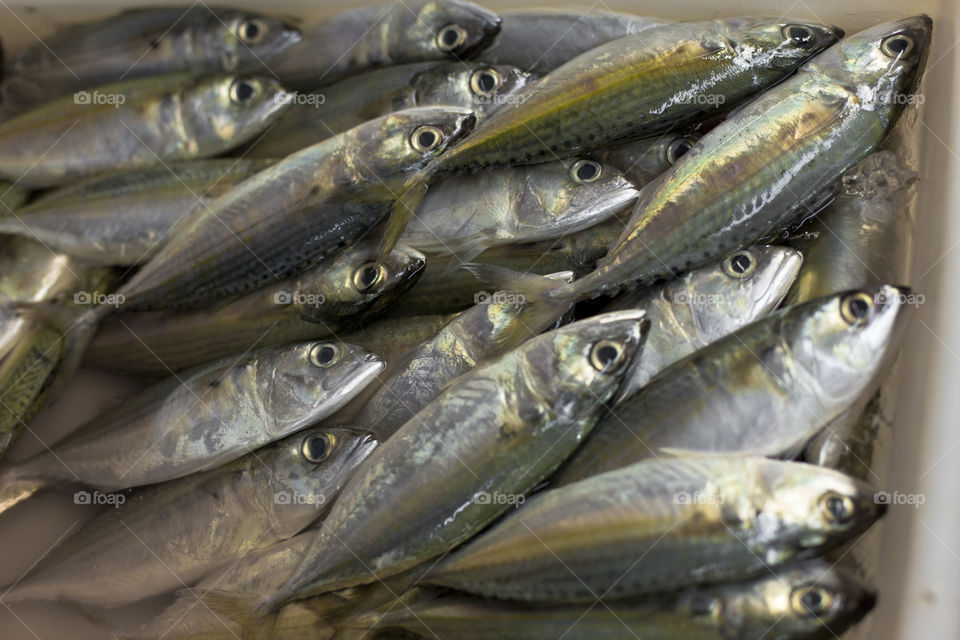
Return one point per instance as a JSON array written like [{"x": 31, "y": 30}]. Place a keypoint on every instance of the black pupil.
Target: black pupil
[
  {"x": 317, "y": 447},
  {"x": 812, "y": 600},
  {"x": 858, "y": 308},
  {"x": 606, "y": 354},
  {"x": 486, "y": 82},
  {"x": 244, "y": 91},
  {"x": 898, "y": 45},
  {"x": 680, "y": 148},
  {"x": 587, "y": 171},
  {"x": 740, "y": 263},
  {"x": 426, "y": 140},
  {"x": 368, "y": 276},
  {"x": 800, "y": 35},
  {"x": 326, "y": 355},
  {"x": 835, "y": 506},
  {"x": 450, "y": 37},
  {"x": 252, "y": 30}
]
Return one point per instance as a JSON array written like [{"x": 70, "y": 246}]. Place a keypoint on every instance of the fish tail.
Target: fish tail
[
  {"x": 242, "y": 609},
  {"x": 14, "y": 488},
  {"x": 405, "y": 206},
  {"x": 528, "y": 288}
]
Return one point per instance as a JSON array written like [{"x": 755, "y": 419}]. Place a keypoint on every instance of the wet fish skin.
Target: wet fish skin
[
  {"x": 319, "y": 199},
  {"x": 205, "y": 418},
  {"x": 540, "y": 40},
  {"x": 633, "y": 87},
  {"x": 327, "y": 111},
  {"x": 319, "y": 303},
  {"x": 175, "y": 533},
  {"x": 694, "y": 520},
  {"x": 764, "y": 390},
  {"x": 160, "y": 119},
  {"x": 145, "y": 42},
  {"x": 644, "y": 160},
  {"x": 702, "y": 306},
  {"x": 768, "y": 606},
  {"x": 384, "y": 34},
  {"x": 776, "y": 158},
  {"x": 123, "y": 218},
  {"x": 466, "y": 214},
  {"x": 527, "y": 410},
  {"x": 392, "y": 337}
]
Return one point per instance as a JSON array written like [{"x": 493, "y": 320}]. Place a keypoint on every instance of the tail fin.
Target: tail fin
[
  {"x": 239, "y": 608},
  {"x": 403, "y": 209},
  {"x": 533, "y": 287}
]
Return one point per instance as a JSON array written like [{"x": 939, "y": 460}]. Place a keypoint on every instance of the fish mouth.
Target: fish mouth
[
  {"x": 782, "y": 278},
  {"x": 490, "y": 28}
]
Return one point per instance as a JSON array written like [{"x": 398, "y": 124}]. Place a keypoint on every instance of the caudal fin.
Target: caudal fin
[
  {"x": 531, "y": 288},
  {"x": 404, "y": 208}
]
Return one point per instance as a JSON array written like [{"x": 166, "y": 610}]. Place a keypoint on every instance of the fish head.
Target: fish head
[
  {"x": 845, "y": 340},
  {"x": 480, "y": 87},
  {"x": 746, "y": 285},
  {"x": 356, "y": 284},
  {"x": 810, "y": 600},
  {"x": 581, "y": 192},
  {"x": 307, "y": 468},
  {"x": 585, "y": 361},
  {"x": 250, "y": 41},
  {"x": 777, "y": 44},
  {"x": 807, "y": 509},
  {"x": 437, "y": 30},
  {"x": 406, "y": 140},
  {"x": 881, "y": 66},
  {"x": 302, "y": 383},
  {"x": 644, "y": 161},
  {"x": 233, "y": 108}
]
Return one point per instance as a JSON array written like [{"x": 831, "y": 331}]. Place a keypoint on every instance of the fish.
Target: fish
[
  {"x": 477, "y": 335},
  {"x": 658, "y": 525},
  {"x": 123, "y": 218},
  {"x": 319, "y": 200},
  {"x": 642, "y": 161},
  {"x": 706, "y": 304},
  {"x": 765, "y": 389},
  {"x": 162, "y": 537},
  {"x": 145, "y": 42},
  {"x": 325, "y": 112},
  {"x": 466, "y": 214},
  {"x": 540, "y": 40},
  {"x": 334, "y": 296},
  {"x": 135, "y": 124},
  {"x": 11, "y": 197},
  {"x": 633, "y": 87},
  {"x": 807, "y": 600},
  {"x": 201, "y": 419},
  {"x": 771, "y": 164},
  {"x": 390, "y": 338},
  {"x": 490, "y": 437},
  {"x": 379, "y": 35}
]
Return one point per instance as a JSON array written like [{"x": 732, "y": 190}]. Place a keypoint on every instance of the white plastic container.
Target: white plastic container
[{"x": 919, "y": 562}]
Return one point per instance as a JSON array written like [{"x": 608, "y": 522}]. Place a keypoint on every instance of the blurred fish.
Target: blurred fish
[
  {"x": 386, "y": 34},
  {"x": 390, "y": 338},
  {"x": 123, "y": 218},
  {"x": 135, "y": 124},
  {"x": 766, "y": 389},
  {"x": 11, "y": 197},
  {"x": 160, "y": 538}
]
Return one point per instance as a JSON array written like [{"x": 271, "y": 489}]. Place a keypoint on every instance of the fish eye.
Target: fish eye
[
  {"x": 897, "y": 45},
  {"x": 451, "y": 36},
  {"x": 606, "y": 355},
  {"x": 742, "y": 264},
  {"x": 426, "y": 138},
  {"x": 251, "y": 32},
  {"x": 836, "y": 508},
  {"x": 325, "y": 355},
  {"x": 811, "y": 600},
  {"x": 800, "y": 35},
  {"x": 317, "y": 446},
  {"x": 243, "y": 91},
  {"x": 585, "y": 171},
  {"x": 677, "y": 148},
  {"x": 485, "y": 82},
  {"x": 855, "y": 307},
  {"x": 369, "y": 276}
]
